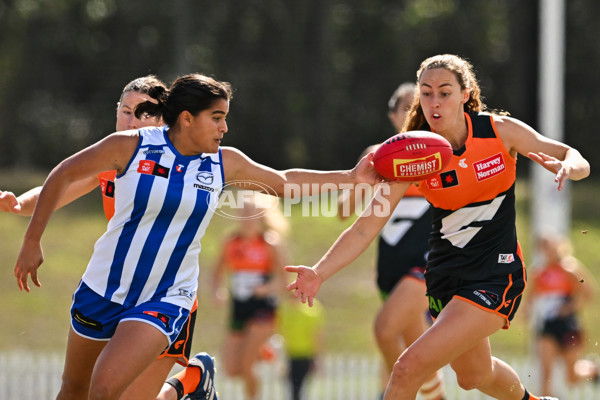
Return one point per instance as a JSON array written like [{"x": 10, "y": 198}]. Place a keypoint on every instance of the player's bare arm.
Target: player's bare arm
[
  {"x": 559, "y": 158},
  {"x": 351, "y": 243},
  {"x": 112, "y": 152},
  {"x": 25, "y": 203},
  {"x": 239, "y": 167}
]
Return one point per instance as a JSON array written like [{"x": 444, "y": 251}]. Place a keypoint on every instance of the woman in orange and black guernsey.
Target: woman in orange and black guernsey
[{"x": 475, "y": 275}]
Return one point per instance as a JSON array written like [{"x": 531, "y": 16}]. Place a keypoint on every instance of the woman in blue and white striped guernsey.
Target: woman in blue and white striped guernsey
[{"x": 141, "y": 280}]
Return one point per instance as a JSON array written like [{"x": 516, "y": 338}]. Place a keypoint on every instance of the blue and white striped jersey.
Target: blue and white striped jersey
[{"x": 163, "y": 203}]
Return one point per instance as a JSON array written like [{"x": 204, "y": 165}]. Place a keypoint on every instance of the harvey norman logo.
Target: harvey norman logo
[{"x": 489, "y": 167}]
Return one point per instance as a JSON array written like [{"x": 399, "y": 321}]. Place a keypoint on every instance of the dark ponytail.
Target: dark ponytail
[
  {"x": 194, "y": 93},
  {"x": 151, "y": 109}
]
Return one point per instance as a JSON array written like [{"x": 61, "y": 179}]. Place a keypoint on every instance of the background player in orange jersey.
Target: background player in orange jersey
[
  {"x": 401, "y": 257},
  {"x": 135, "y": 92},
  {"x": 252, "y": 257},
  {"x": 559, "y": 288},
  {"x": 475, "y": 274}
]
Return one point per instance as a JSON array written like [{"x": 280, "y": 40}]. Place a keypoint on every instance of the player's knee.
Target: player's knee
[
  {"x": 472, "y": 380},
  {"x": 71, "y": 389},
  {"x": 104, "y": 390},
  {"x": 403, "y": 370}
]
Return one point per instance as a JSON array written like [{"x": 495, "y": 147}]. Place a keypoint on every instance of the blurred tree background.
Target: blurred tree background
[{"x": 311, "y": 77}]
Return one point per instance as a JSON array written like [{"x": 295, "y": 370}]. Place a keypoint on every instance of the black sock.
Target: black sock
[
  {"x": 527, "y": 396},
  {"x": 178, "y": 386}
]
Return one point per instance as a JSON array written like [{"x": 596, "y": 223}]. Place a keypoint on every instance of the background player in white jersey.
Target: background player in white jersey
[
  {"x": 149, "y": 383},
  {"x": 140, "y": 283},
  {"x": 401, "y": 257}
]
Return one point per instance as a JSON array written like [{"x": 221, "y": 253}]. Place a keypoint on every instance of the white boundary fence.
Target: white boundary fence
[{"x": 36, "y": 376}]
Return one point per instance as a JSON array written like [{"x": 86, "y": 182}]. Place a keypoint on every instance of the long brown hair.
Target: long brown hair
[{"x": 463, "y": 70}]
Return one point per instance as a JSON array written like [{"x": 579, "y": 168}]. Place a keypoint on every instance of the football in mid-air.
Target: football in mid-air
[{"x": 412, "y": 156}]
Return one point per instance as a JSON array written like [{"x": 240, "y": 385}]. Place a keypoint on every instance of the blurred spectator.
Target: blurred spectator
[
  {"x": 559, "y": 288},
  {"x": 302, "y": 330},
  {"x": 253, "y": 256}
]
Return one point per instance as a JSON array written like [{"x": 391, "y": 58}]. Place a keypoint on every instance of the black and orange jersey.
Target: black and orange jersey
[
  {"x": 107, "y": 186},
  {"x": 473, "y": 199},
  {"x": 554, "y": 279},
  {"x": 252, "y": 254}
]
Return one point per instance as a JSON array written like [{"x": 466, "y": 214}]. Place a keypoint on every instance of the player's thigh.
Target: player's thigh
[
  {"x": 80, "y": 359},
  {"x": 460, "y": 327},
  {"x": 133, "y": 347},
  {"x": 475, "y": 361},
  {"x": 149, "y": 383}
]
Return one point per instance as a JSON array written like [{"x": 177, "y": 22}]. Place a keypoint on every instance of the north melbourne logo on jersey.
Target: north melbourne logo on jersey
[
  {"x": 150, "y": 167},
  {"x": 506, "y": 258}
]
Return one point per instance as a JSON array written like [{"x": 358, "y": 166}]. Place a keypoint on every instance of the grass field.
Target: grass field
[{"x": 39, "y": 320}]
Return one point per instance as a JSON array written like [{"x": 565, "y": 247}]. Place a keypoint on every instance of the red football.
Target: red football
[{"x": 412, "y": 156}]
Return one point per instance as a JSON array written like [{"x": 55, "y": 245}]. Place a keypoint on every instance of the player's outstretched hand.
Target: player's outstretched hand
[
  {"x": 553, "y": 165},
  {"x": 9, "y": 203},
  {"x": 307, "y": 283},
  {"x": 30, "y": 258},
  {"x": 365, "y": 171}
]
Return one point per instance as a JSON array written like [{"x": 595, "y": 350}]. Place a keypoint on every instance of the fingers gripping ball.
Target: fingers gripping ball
[{"x": 412, "y": 156}]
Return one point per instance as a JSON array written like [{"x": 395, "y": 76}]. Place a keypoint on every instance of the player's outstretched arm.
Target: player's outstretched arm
[
  {"x": 294, "y": 182},
  {"x": 351, "y": 243},
  {"x": 573, "y": 166},
  {"x": 25, "y": 203},
  {"x": 556, "y": 157},
  {"x": 112, "y": 152}
]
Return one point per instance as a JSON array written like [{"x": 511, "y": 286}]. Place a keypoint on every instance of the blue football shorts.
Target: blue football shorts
[{"x": 96, "y": 318}]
